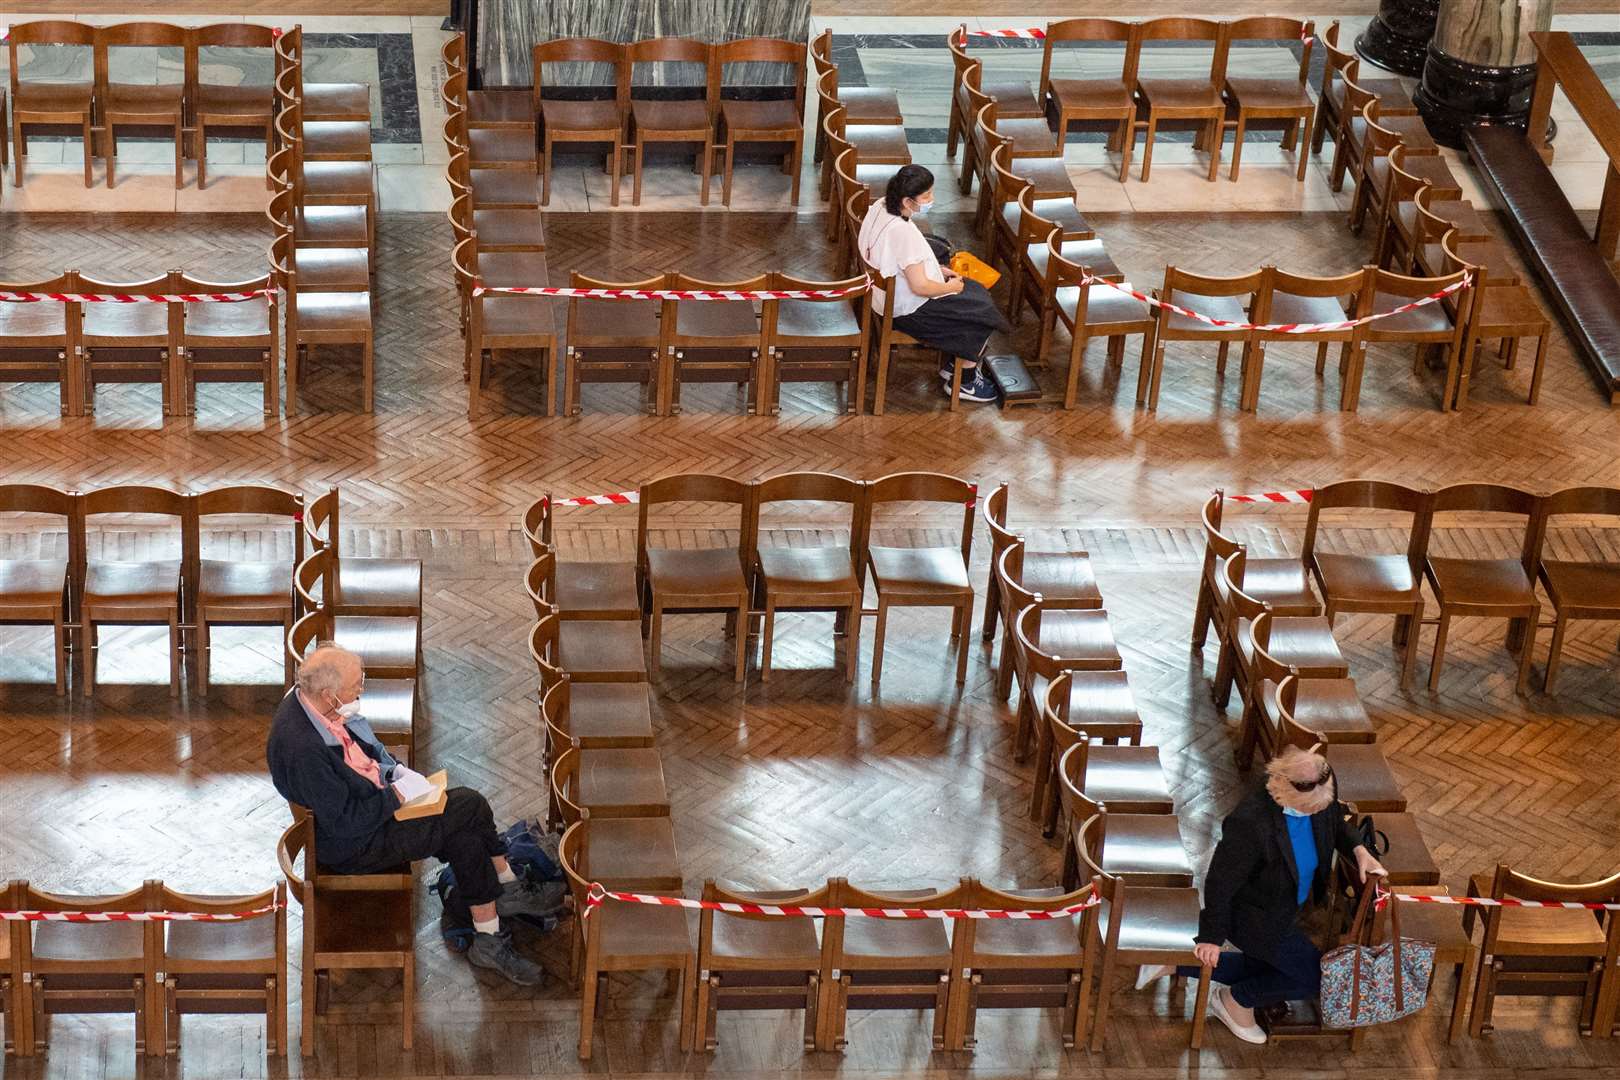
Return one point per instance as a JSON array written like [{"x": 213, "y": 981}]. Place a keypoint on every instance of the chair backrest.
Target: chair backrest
[
  {"x": 995, "y": 519},
  {"x": 262, "y": 305},
  {"x": 1277, "y": 28},
  {"x": 1178, "y": 28},
  {"x": 299, "y": 840},
  {"x": 583, "y": 50},
  {"x": 454, "y": 93},
  {"x": 1217, "y": 545},
  {"x": 777, "y": 281},
  {"x": 1346, "y": 286},
  {"x": 256, "y": 499},
  {"x": 989, "y": 898},
  {"x": 321, "y": 521},
  {"x": 454, "y": 52},
  {"x": 762, "y": 50},
  {"x": 697, "y": 487},
  {"x": 537, "y": 524},
  {"x": 1092, "y": 29},
  {"x": 670, "y": 313},
  {"x": 556, "y": 706},
  {"x": 543, "y": 637},
  {"x": 732, "y": 892},
  {"x": 311, "y": 628},
  {"x": 1406, "y": 287},
  {"x": 315, "y": 583},
  {"x": 1507, "y": 882},
  {"x": 1498, "y": 499},
  {"x": 1009, "y": 569},
  {"x": 926, "y": 487},
  {"x": 148, "y": 35},
  {"x": 46, "y": 32},
  {"x": 1373, "y": 495},
  {"x": 675, "y": 50},
  {"x": 36, "y": 324},
  {"x": 1229, "y": 587},
  {"x": 540, "y": 581},
  {"x": 230, "y": 958},
  {"x": 28, "y": 898},
  {"x": 1581, "y": 500},
  {"x": 817, "y": 487},
  {"x": 845, "y": 895},
  {"x": 576, "y": 309},
  {"x": 1078, "y": 807}
]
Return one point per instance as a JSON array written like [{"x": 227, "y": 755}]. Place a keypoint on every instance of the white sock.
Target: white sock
[
  {"x": 507, "y": 876},
  {"x": 493, "y": 926}
]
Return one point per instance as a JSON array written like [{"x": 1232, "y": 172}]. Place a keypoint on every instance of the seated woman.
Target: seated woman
[
  {"x": 1268, "y": 873},
  {"x": 933, "y": 304}
]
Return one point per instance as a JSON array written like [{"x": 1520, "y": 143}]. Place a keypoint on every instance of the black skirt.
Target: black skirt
[{"x": 959, "y": 324}]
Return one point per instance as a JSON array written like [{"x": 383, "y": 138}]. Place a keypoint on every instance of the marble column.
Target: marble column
[
  {"x": 1399, "y": 34},
  {"x": 1481, "y": 65}
]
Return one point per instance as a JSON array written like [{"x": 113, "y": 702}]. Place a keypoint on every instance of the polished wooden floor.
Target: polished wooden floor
[{"x": 805, "y": 778}]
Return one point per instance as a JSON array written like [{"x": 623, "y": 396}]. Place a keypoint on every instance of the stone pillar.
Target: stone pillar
[
  {"x": 1481, "y": 65},
  {"x": 1399, "y": 34}
]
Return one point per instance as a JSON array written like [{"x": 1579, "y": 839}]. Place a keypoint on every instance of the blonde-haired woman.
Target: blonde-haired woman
[{"x": 1270, "y": 866}]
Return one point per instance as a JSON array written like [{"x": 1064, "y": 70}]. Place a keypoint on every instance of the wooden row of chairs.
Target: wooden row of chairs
[
  {"x": 155, "y": 971},
  {"x": 189, "y": 108}
]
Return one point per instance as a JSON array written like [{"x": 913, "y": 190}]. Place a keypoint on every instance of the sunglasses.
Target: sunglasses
[{"x": 1312, "y": 785}]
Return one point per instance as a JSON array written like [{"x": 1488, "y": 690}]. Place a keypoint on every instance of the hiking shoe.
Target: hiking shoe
[
  {"x": 494, "y": 951},
  {"x": 975, "y": 386},
  {"x": 524, "y": 899}
]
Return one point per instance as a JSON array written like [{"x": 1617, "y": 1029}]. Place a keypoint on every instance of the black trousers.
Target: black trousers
[
  {"x": 959, "y": 324},
  {"x": 464, "y": 836}
]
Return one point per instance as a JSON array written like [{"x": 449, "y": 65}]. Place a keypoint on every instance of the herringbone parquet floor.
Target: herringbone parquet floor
[{"x": 804, "y": 778}]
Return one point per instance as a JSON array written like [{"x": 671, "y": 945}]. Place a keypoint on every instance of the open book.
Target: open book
[{"x": 423, "y": 796}]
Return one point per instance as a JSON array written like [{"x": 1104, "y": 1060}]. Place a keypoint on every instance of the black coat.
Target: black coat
[
  {"x": 1250, "y": 890},
  {"x": 348, "y": 808}
]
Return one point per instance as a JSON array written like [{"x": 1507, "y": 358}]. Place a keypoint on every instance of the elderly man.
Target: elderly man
[{"x": 324, "y": 756}]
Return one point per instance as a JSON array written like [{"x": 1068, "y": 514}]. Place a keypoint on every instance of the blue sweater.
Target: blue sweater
[{"x": 1304, "y": 845}]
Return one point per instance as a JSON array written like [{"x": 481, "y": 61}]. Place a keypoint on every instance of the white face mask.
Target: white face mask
[
  {"x": 348, "y": 710},
  {"x": 922, "y": 208},
  {"x": 1291, "y": 812}
]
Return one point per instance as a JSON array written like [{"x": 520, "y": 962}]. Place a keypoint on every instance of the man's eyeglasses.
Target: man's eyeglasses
[{"x": 1312, "y": 785}]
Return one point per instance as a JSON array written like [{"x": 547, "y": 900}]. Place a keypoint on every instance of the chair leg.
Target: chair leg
[
  {"x": 992, "y": 606},
  {"x": 1147, "y": 146},
  {"x": 590, "y": 990},
  {"x": 1304, "y": 125},
  {"x": 1105, "y": 994},
  {"x": 59, "y": 634},
  {"x": 90, "y": 155},
  {"x": 655, "y": 639},
  {"x": 704, "y": 168},
  {"x": 200, "y": 659},
  {"x": 1439, "y": 657},
  {"x": 1413, "y": 636},
  {"x": 1004, "y": 669},
  {"x": 1555, "y": 653},
  {"x": 725, "y": 177},
  {"x": 852, "y": 641},
  {"x": 966, "y": 617},
  {"x": 741, "y": 629},
  {"x": 1217, "y": 135},
  {"x": 877, "y": 640},
  {"x": 1527, "y": 649},
  {"x": 767, "y": 635},
  {"x": 687, "y": 1021},
  {"x": 407, "y": 1019},
  {"x": 1203, "y": 611},
  {"x": 1127, "y": 141},
  {"x": 616, "y": 167}
]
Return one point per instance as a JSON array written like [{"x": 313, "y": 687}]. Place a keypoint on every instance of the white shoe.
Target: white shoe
[
  {"x": 1249, "y": 1033},
  {"x": 1148, "y": 974}
]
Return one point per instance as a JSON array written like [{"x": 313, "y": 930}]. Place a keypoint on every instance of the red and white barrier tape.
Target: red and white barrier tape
[
  {"x": 1035, "y": 33},
  {"x": 612, "y": 498},
  {"x": 1283, "y": 328},
  {"x": 598, "y": 896},
  {"x": 1382, "y": 898},
  {"x": 481, "y": 289},
  {"x": 135, "y": 298},
  {"x": 1301, "y": 496},
  {"x": 136, "y": 916}
]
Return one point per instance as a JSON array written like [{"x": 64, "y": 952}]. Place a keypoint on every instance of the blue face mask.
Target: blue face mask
[
  {"x": 1291, "y": 812},
  {"x": 922, "y": 208}
]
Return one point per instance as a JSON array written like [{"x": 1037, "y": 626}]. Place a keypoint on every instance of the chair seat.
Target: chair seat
[
  {"x": 1104, "y": 307},
  {"x": 1558, "y": 930},
  {"x": 504, "y": 187},
  {"x": 1090, "y": 94},
  {"x": 677, "y": 572},
  {"x": 1078, "y": 634},
  {"x": 1437, "y": 923},
  {"x": 1463, "y": 215},
  {"x": 580, "y": 116},
  {"x": 919, "y": 570},
  {"x": 1101, "y": 704},
  {"x": 1367, "y": 578},
  {"x": 879, "y": 144},
  {"x": 235, "y": 102},
  {"x": 243, "y": 583},
  {"x": 1582, "y": 586},
  {"x": 22, "y": 324},
  {"x": 1408, "y": 859},
  {"x": 716, "y": 319},
  {"x": 1487, "y": 582},
  {"x": 109, "y": 943},
  {"x": 631, "y": 930},
  {"x": 1225, "y": 308},
  {"x": 597, "y": 590},
  {"x": 870, "y": 105},
  {"x": 1128, "y": 780},
  {"x": 32, "y": 582},
  {"x": 135, "y": 324},
  {"x": 624, "y": 779},
  {"x": 491, "y": 146},
  {"x": 337, "y": 179},
  {"x": 1333, "y": 709},
  {"x": 43, "y": 97},
  {"x": 596, "y": 650},
  {"x": 922, "y": 944},
  {"x": 1393, "y": 96},
  {"x": 1283, "y": 584},
  {"x": 1161, "y": 921},
  {"x": 373, "y": 586},
  {"x": 1305, "y": 642},
  {"x": 1014, "y": 99},
  {"x": 604, "y": 323},
  {"x": 1506, "y": 308},
  {"x": 516, "y": 317},
  {"x": 875, "y": 178},
  {"x": 1265, "y": 95},
  {"x": 157, "y": 100},
  {"x": 506, "y": 227},
  {"x": 1289, "y": 308},
  {"x": 1489, "y": 255},
  {"x": 814, "y": 319},
  {"x": 332, "y": 226},
  {"x": 500, "y": 108},
  {"x": 334, "y": 312},
  {"x": 206, "y": 944},
  {"x": 1363, "y": 777},
  {"x": 337, "y": 138},
  {"x": 1059, "y": 211},
  {"x": 779, "y": 944},
  {"x": 514, "y": 269},
  {"x": 1061, "y": 576},
  {"x": 669, "y": 116},
  {"x": 606, "y": 715},
  {"x": 773, "y": 117},
  {"x": 632, "y": 853},
  {"x": 1048, "y": 176},
  {"x": 1146, "y": 849},
  {"x": 248, "y": 320},
  {"x": 1181, "y": 94},
  {"x": 1430, "y": 167},
  {"x": 384, "y": 643},
  {"x": 1090, "y": 253},
  {"x": 1020, "y": 941},
  {"x": 1030, "y": 137},
  {"x": 814, "y": 570},
  {"x": 336, "y": 101},
  {"x": 132, "y": 584},
  {"x": 328, "y": 269}
]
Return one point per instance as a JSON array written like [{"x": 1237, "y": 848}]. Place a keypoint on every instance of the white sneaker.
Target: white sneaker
[
  {"x": 1249, "y": 1033},
  {"x": 1148, "y": 974}
]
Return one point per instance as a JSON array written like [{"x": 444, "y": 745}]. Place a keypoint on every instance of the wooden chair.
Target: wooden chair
[
  {"x": 508, "y": 145},
  {"x": 1062, "y": 578},
  {"x": 1034, "y": 278},
  {"x": 1367, "y": 129},
  {"x": 38, "y": 592},
  {"x": 1282, "y": 584},
  {"x": 592, "y": 650},
  {"x": 1006, "y": 194},
  {"x": 139, "y": 105},
  {"x": 57, "y": 105},
  {"x": 865, "y": 104},
  {"x": 1341, "y": 67},
  {"x": 1129, "y": 779},
  {"x": 889, "y": 339},
  {"x": 874, "y": 144},
  {"x": 1229, "y": 299},
  {"x": 324, "y": 102},
  {"x": 589, "y": 727},
  {"x": 663, "y": 120},
  {"x": 1329, "y": 708},
  {"x": 1493, "y": 312},
  {"x": 614, "y": 341},
  {"x": 239, "y": 591},
  {"x": 1044, "y": 644},
  {"x": 1303, "y": 643},
  {"x": 1028, "y": 143},
  {"x": 1388, "y": 584},
  {"x": 350, "y": 921},
  {"x": 328, "y": 183},
  {"x": 621, "y": 937},
  {"x": 1286, "y": 298},
  {"x": 695, "y": 580},
  {"x": 227, "y": 106},
  {"x": 1547, "y": 952},
  {"x": 1441, "y": 925},
  {"x": 126, "y": 342},
  {"x": 712, "y": 340},
  {"x": 41, "y": 342},
  {"x": 497, "y": 322},
  {"x": 94, "y": 967},
  {"x": 1185, "y": 99},
  {"x": 1094, "y": 102},
  {"x": 1395, "y": 217},
  {"x": 1424, "y": 327},
  {"x": 1578, "y": 589},
  {"x": 1361, "y": 774},
  {"x": 1135, "y": 924},
  {"x": 791, "y": 578},
  {"x": 921, "y": 576},
  {"x": 586, "y": 121},
  {"x": 581, "y": 590},
  {"x": 1019, "y": 964},
  {"x": 755, "y": 121},
  {"x": 1494, "y": 588},
  {"x": 759, "y": 961},
  {"x": 236, "y": 342},
  {"x": 628, "y": 853},
  {"x": 226, "y": 966},
  {"x": 1288, "y": 100},
  {"x": 1144, "y": 849},
  {"x": 1091, "y": 310},
  {"x": 1383, "y": 136},
  {"x": 815, "y": 340},
  {"x": 322, "y": 318},
  {"x": 389, "y": 646},
  {"x": 1013, "y": 97},
  {"x": 360, "y": 585},
  {"x": 143, "y": 592},
  {"x": 496, "y": 107},
  {"x": 888, "y": 963},
  {"x": 621, "y": 783}
]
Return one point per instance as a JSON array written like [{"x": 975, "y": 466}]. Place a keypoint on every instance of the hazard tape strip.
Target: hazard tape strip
[
  {"x": 1301, "y": 496},
  {"x": 597, "y": 896},
  {"x": 136, "y": 916},
  {"x": 480, "y": 289},
  {"x": 1034, "y": 33},
  {"x": 612, "y": 498},
  {"x": 135, "y": 298},
  {"x": 1283, "y": 328},
  {"x": 1382, "y": 898}
]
